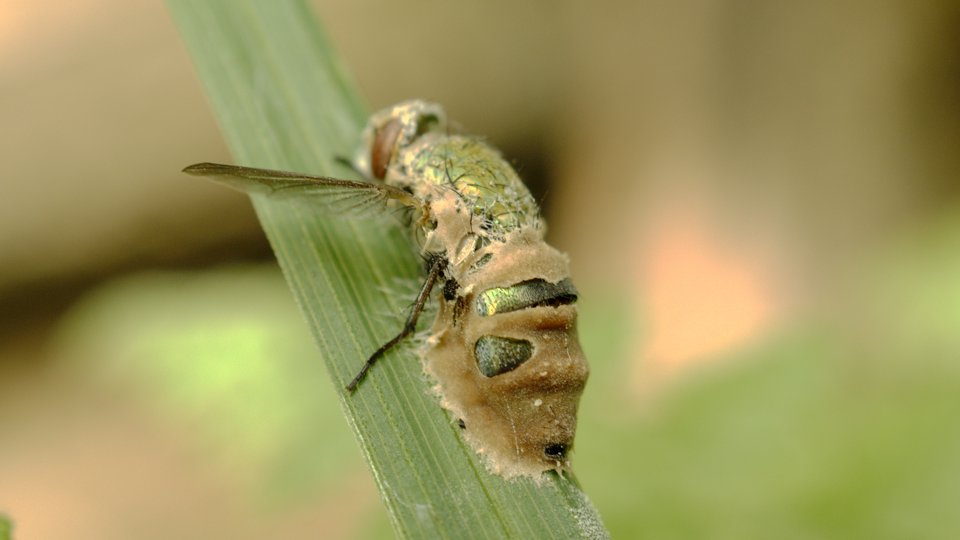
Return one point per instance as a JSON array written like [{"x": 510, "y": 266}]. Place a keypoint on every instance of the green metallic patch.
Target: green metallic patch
[
  {"x": 488, "y": 187},
  {"x": 526, "y": 294},
  {"x": 496, "y": 355}
]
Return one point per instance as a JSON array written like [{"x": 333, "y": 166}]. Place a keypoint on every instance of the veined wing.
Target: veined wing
[{"x": 341, "y": 195}]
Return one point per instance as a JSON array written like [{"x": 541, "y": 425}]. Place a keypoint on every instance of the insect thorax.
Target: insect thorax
[{"x": 488, "y": 189}]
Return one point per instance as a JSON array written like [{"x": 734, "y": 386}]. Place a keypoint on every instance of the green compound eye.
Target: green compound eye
[
  {"x": 497, "y": 355},
  {"x": 526, "y": 294}
]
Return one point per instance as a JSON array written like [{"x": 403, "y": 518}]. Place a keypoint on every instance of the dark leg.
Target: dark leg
[
  {"x": 347, "y": 162},
  {"x": 432, "y": 274}
]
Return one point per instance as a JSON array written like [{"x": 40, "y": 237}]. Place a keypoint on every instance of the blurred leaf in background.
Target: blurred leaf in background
[
  {"x": 219, "y": 365},
  {"x": 226, "y": 355},
  {"x": 6, "y": 528}
]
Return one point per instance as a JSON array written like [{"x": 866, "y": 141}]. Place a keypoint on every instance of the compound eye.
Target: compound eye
[
  {"x": 556, "y": 451},
  {"x": 384, "y": 147}
]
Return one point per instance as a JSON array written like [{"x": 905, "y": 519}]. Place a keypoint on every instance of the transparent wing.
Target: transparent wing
[{"x": 334, "y": 193}]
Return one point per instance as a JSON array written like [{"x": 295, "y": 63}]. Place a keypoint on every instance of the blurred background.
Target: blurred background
[{"x": 760, "y": 200}]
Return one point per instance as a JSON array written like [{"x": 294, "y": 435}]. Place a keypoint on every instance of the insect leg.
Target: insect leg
[
  {"x": 436, "y": 267},
  {"x": 347, "y": 162}
]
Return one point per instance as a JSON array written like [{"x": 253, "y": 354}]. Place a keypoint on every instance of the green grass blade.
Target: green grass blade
[{"x": 283, "y": 101}]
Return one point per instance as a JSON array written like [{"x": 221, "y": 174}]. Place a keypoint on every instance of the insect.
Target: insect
[{"x": 503, "y": 348}]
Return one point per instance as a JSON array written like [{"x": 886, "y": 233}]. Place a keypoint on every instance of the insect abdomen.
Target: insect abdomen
[{"x": 512, "y": 368}]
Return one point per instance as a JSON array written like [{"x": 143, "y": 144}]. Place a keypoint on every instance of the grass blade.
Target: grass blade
[{"x": 283, "y": 102}]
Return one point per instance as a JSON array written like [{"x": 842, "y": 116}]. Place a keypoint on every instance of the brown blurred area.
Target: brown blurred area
[
  {"x": 100, "y": 108},
  {"x": 727, "y": 168}
]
